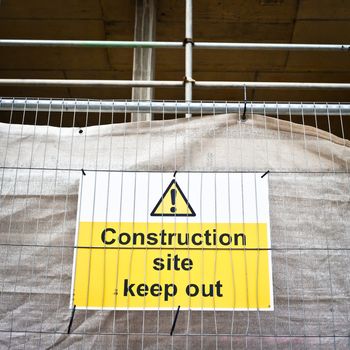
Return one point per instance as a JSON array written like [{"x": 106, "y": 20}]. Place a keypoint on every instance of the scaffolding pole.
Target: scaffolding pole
[
  {"x": 174, "y": 45},
  {"x": 90, "y": 83},
  {"x": 92, "y": 43},
  {"x": 188, "y": 42},
  {"x": 173, "y": 83},
  {"x": 161, "y": 107},
  {"x": 272, "y": 46},
  {"x": 269, "y": 85}
]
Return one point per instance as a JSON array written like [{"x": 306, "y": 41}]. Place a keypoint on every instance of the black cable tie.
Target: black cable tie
[
  {"x": 187, "y": 40},
  {"x": 71, "y": 320},
  {"x": 174, "y": 173},
  {"x": 244, "y": 110},
  {"x": 245, "y": 104},
  {"x": 265, "y": 174},
  {"x": 175, "y": 319},
  {"x": 82, "y": 170}
]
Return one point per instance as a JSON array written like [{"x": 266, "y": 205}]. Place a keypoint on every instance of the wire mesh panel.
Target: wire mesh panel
[{"x": 41, "y": 167}]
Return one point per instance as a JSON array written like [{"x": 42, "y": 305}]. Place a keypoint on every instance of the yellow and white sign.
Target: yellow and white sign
[{"x": 149, "y": 241}]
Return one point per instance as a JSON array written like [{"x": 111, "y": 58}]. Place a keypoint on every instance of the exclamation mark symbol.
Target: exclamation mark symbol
[{"x": 173, "y": 198}]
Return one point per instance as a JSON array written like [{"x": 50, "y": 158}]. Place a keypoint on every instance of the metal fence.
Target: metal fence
[
  {"x": 309, "y": 204},
  {"x": 47, "y": 145}
]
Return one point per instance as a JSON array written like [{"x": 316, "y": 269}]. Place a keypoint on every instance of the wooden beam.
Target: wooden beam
[{"x": 144, "y": 59}]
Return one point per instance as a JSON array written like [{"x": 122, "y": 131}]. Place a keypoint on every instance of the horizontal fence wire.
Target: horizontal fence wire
[
  {"x": 46, "y": 146},
  {"x": 177, "y": 107}
]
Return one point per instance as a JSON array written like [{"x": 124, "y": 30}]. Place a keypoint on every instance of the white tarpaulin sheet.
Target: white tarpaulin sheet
[{"x": 310, "y": 235}]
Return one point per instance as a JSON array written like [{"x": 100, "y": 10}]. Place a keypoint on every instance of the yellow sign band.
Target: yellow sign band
[{"x": 161, "y": 265}]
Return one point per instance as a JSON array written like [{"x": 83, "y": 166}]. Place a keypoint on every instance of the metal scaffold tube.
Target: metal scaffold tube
[
  {"x": 269, "y": 85},
  {"x": 91, "y": 43},
  {"x": 272, "y": 46},
  {"x": 188, "y": 42},
  {"x": 91, "y": 83},
  {"x": 173, "y": 83},
  {"x": 183, "y": 107},
  {"x": 175, "y": 45}
]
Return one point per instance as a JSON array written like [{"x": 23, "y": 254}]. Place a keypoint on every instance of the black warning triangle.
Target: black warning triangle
[{"x": 173, "y": 203}]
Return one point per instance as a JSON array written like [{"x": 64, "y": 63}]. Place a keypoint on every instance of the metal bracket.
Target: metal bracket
[
  {"x": 188, "y": 80},
  {"x": 186, "y": 41}
]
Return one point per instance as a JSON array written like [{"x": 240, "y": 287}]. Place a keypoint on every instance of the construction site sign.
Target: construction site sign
[{"x": 152, "y": 240}]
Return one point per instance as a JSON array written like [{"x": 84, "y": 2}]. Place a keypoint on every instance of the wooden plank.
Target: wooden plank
[
  {"x": 32, "y": 58},
  {"x": 227, "y": 32},
  {"x": 229, "y": 11},
  {"x": 319, "y": 31},
  {"x": 117, "y": 10},
  {"x": 43, "y": 9},
  {"x": 324, "y": 9}
]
